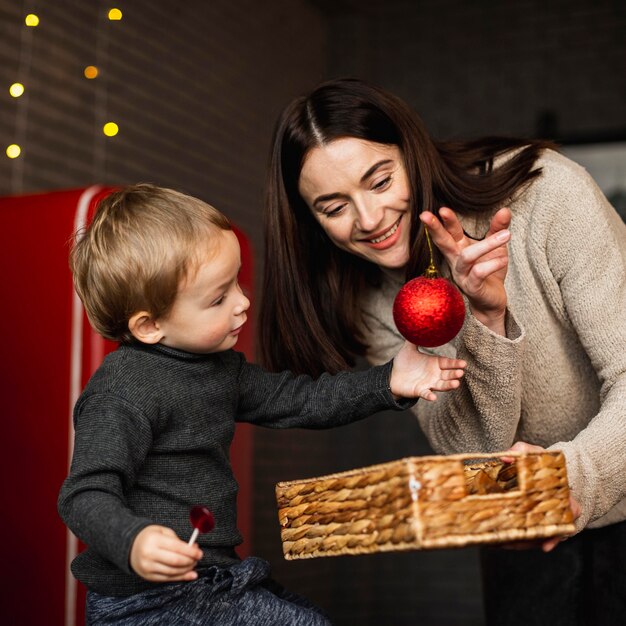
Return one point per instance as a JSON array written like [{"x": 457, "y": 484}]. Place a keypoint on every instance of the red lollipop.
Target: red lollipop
[
  {"x": 202, "y": 521},
  {"x": 429, "y": 311}
]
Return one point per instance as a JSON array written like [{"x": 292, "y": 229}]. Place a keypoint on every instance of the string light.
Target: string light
[
  {"x": 13, "y": 151},
  {"x": 16, "y": 90},
  {"x": 110, "y": 129},
  {"x": 90, "y": 72},
  {"x": 31, "y": 20},
  {"x": 115, "y": 15}
]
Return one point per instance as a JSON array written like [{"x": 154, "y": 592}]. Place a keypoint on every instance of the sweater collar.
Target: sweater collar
[{"x": 159, "y": 348}]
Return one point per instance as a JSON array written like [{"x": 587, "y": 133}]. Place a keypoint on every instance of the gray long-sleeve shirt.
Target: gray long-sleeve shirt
[{"x": 153, "y": 431}]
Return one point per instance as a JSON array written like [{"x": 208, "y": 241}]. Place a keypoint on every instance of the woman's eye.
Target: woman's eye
[
  {"x": 334, "y": 211},
  {"x": 382, "y": 184}
]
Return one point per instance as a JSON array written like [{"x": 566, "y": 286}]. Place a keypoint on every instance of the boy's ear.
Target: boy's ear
[{"x": 145, "y": 328}]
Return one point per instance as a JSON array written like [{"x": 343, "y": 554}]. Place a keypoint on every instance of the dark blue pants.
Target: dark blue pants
[
  {"x": 235, "y": 596},
  {"x": 582, "y": 582}
]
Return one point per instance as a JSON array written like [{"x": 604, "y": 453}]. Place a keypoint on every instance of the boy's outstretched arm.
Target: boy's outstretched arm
[{"x": 415, "y": 374}]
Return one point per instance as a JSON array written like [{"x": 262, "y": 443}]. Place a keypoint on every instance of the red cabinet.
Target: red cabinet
[{"x": 49, "y": 352}]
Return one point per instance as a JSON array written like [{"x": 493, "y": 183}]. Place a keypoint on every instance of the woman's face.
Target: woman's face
[{"x": 359, "y": 193}]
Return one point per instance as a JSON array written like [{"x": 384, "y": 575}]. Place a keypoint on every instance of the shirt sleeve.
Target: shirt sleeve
[
  {"x": 283, "y": 400},
  {"x": 111, "y": 442}
]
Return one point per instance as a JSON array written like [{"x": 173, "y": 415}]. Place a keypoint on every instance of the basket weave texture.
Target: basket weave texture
[{"x": 426, "y": 502}]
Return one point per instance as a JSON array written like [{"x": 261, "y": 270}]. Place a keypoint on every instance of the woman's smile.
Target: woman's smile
[{"x": 388, "y": 238}]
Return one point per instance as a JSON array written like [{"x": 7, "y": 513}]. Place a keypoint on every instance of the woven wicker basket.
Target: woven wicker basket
[{"x": 426, "y": 502}]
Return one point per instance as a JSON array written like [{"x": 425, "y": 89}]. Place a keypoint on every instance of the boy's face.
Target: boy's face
[{"x": 210, "y": 308}]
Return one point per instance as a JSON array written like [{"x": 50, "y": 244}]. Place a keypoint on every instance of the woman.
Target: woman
[{"x": 354, "y": 177}]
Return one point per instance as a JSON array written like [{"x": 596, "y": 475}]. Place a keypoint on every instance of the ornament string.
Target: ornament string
[{"x": 431, "y": 270}]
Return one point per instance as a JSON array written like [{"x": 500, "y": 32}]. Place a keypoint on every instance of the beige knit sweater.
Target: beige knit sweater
[{"x": 558, "y": 379}]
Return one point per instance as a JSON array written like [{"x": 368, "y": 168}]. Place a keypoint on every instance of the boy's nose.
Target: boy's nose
[{"x": 243, "y": 305}]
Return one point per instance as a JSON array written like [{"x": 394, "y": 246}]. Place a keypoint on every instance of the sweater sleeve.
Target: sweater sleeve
[
  {"x": 484, "y": 412},
  {"x": 111, "y": 442},
  {"x": 586, "y": 251},
  {"x": 283, "y": 400}
]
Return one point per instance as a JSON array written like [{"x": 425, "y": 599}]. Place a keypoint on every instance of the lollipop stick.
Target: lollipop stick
[{"x": 194, "y": 536}]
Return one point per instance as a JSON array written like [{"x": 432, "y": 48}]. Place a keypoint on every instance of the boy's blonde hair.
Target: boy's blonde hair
[{"x": 141, "y": 244}]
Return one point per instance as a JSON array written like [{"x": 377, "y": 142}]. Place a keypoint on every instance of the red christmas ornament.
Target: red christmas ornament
[{"x": 429, "y": 311}]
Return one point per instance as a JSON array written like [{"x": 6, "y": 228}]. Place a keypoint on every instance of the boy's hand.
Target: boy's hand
[
  {"x": 157, "y": 554},
  {"x": 417, "y": 375}
]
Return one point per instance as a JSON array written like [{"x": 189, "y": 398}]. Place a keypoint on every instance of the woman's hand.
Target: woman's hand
[
  {"x": 417, "y": 375},
  {"x": 478, "y": 267},
  {"x": 157, "y": 554},
  {"x": 549, "y": 544}
]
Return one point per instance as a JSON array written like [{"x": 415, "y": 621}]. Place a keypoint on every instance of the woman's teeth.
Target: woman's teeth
[{"x": 388, "y": 234}]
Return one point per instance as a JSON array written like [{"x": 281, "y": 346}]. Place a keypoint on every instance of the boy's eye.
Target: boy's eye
[{"x": 218, "y": 301}]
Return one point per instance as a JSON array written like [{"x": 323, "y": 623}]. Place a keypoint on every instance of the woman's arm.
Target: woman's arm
[{"x": 586, "y": 251}]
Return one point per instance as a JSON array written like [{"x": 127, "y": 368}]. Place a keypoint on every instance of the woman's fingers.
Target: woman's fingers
[
  {"x": 439, "y": 234},
  {"x": 475, "y": 251},
  {"x": 500, "y": 221},
  {"x": 522, "y": 446},
  {"x": 451, "y": 223},
  {"x": 483, "y": 269}
]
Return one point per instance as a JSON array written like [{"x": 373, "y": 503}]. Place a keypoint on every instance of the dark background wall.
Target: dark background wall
[
  {"x": 195, "y": 87},
  {"x": 520, "y": 67}
]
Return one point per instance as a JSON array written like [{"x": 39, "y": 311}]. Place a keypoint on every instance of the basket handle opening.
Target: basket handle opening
[{"x": 490, "y": 476}]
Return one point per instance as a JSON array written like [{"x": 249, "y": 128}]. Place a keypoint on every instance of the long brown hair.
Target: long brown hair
[{"x": 310, "y": 319}]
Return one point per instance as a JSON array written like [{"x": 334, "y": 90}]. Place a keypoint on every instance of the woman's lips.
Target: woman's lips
[{"x": 389, "y": 241}]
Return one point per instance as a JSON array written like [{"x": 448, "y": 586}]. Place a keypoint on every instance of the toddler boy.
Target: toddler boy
[{"x": 157, "y": 271}]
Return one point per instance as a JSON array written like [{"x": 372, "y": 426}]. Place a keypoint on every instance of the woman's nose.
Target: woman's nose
[{"x": 369, "y": 215}]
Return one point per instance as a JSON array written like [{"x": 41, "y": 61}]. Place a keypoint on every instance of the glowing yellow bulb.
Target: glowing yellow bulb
[
  {"x": 13, "y": 151},
  {"x": 91, "y": 71},
  {"x": 16, "y": 90},
  {"x": 115, "y": 14},
  {"x": 110, "y": 129},
  {"x": 31, "y": 20}
]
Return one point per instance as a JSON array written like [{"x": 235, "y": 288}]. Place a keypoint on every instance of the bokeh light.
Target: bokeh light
[
  {"x": 13, "y": 151},
  {"x": 110, "y": 129},
  {"x": 31, "y": 20},
  {"x": 91, "y": 71},
  {"x": 115, "y": 14},
  {"x": 16, "y": 90}
]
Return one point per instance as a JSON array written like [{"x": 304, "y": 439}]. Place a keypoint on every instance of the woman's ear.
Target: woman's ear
[{"x": 145, "y": 328}]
